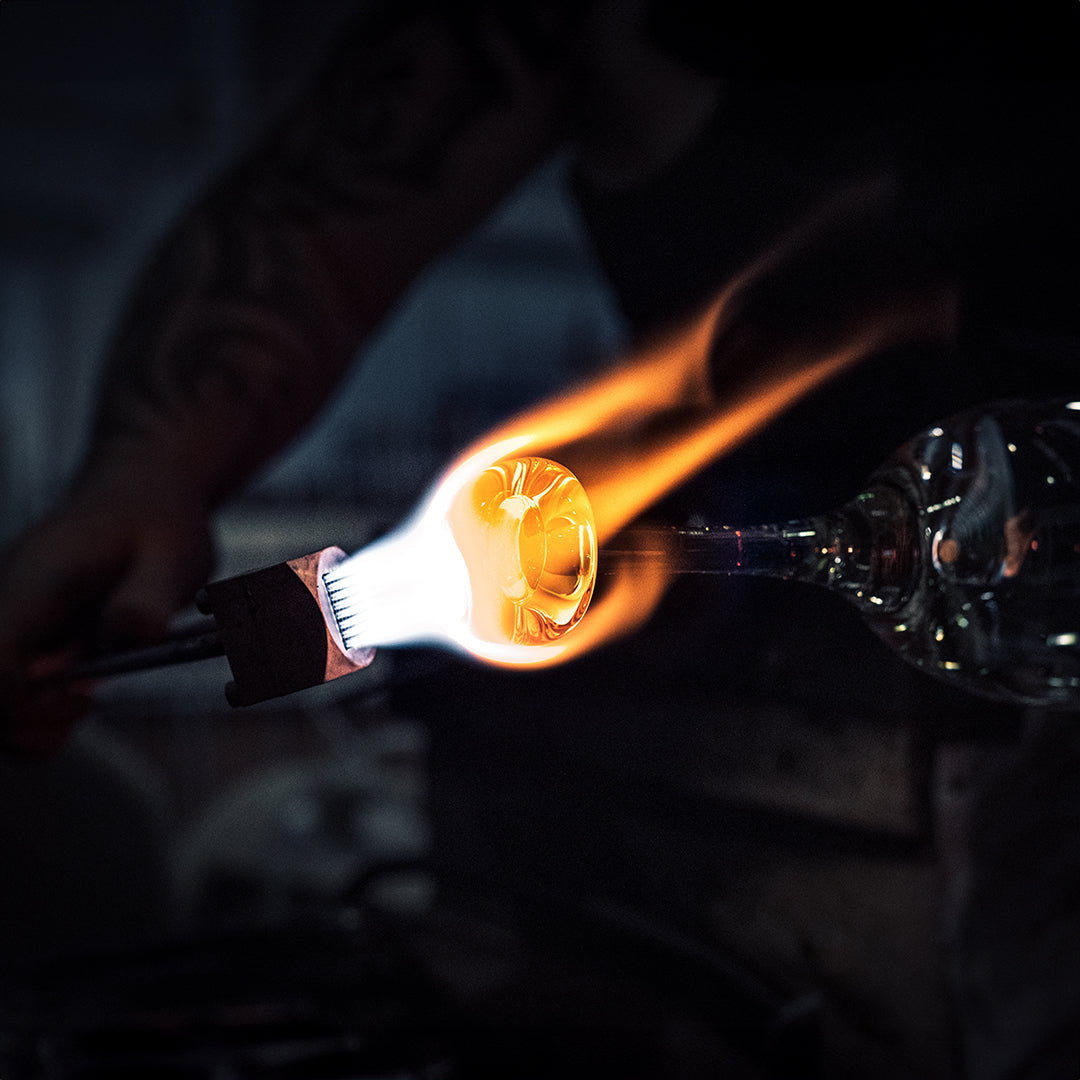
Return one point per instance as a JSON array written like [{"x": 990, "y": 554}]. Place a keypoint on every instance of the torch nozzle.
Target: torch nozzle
[{"x": 269, "y": 624}]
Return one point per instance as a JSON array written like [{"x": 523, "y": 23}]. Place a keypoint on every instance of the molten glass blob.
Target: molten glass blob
[{"x": 525, "y": 529}]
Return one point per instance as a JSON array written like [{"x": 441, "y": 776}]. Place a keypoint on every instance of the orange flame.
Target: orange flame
[{"x": 637, "y": 432}]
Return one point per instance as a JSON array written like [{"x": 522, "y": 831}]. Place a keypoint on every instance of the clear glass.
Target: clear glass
[{"x": 963, "y": 551}]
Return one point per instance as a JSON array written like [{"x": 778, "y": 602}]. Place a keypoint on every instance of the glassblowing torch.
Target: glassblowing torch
[
  {"x": 502, "y": 567},
  {"x": 269, "y": 625}
]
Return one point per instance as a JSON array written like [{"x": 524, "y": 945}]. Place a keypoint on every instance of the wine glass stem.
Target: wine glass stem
[
  {"x": 812, "y": 550},
  {"x": 868, "y": 550}
]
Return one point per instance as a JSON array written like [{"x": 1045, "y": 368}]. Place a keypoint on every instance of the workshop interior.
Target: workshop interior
[{"x": 748, "y": 838}]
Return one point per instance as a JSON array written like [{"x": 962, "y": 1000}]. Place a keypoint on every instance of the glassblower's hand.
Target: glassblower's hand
[{"x": 107, "y": 569}]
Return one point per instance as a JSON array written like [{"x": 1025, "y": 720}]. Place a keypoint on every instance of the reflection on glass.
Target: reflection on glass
[{"x": 963, "y": 551}]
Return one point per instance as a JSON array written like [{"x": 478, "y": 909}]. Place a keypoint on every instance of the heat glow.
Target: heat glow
[{"x": 629, "y": 436}]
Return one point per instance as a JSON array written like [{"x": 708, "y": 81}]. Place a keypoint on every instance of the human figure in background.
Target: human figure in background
[
  {"x": 688, "y": 163},
  {"x": 701, "y": 139}
]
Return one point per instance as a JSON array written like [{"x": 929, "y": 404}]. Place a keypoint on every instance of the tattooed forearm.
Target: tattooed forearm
[
  {"x": 384, "y": 117},
  {"x": 260, "y": 298}
]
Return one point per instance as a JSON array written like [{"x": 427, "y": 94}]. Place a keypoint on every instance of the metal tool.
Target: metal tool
[
  {"x": 200, "y": 641},
  {"x": 269, "y": 624}
]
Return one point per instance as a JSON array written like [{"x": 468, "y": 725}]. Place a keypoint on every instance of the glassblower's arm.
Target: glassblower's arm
[{"x": 245, "y": 322}]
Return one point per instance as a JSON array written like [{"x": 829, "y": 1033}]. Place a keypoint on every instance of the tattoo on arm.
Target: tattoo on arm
[{"x": 262, "y": 294}]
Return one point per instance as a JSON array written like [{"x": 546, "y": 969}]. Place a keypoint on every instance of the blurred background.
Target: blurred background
[
  {"x": 778, "y": 861},
  {"x": 116, "y": 119}
]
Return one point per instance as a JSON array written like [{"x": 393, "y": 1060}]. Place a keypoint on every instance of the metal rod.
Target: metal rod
[{"x": 200, "y": 641}]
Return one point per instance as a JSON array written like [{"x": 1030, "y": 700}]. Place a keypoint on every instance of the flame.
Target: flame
[
  {"x": 638, "y": 431},
  {"x": 632, "y": 436}
]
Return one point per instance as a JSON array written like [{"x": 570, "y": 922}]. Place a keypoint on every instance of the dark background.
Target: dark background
[{"x": 749, "y": 837}]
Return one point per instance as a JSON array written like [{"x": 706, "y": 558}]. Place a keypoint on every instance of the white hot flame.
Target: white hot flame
[{"x": 413, "y": 586}]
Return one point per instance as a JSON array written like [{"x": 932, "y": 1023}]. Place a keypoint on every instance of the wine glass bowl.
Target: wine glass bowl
[{"x": 995, "y": 498}]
